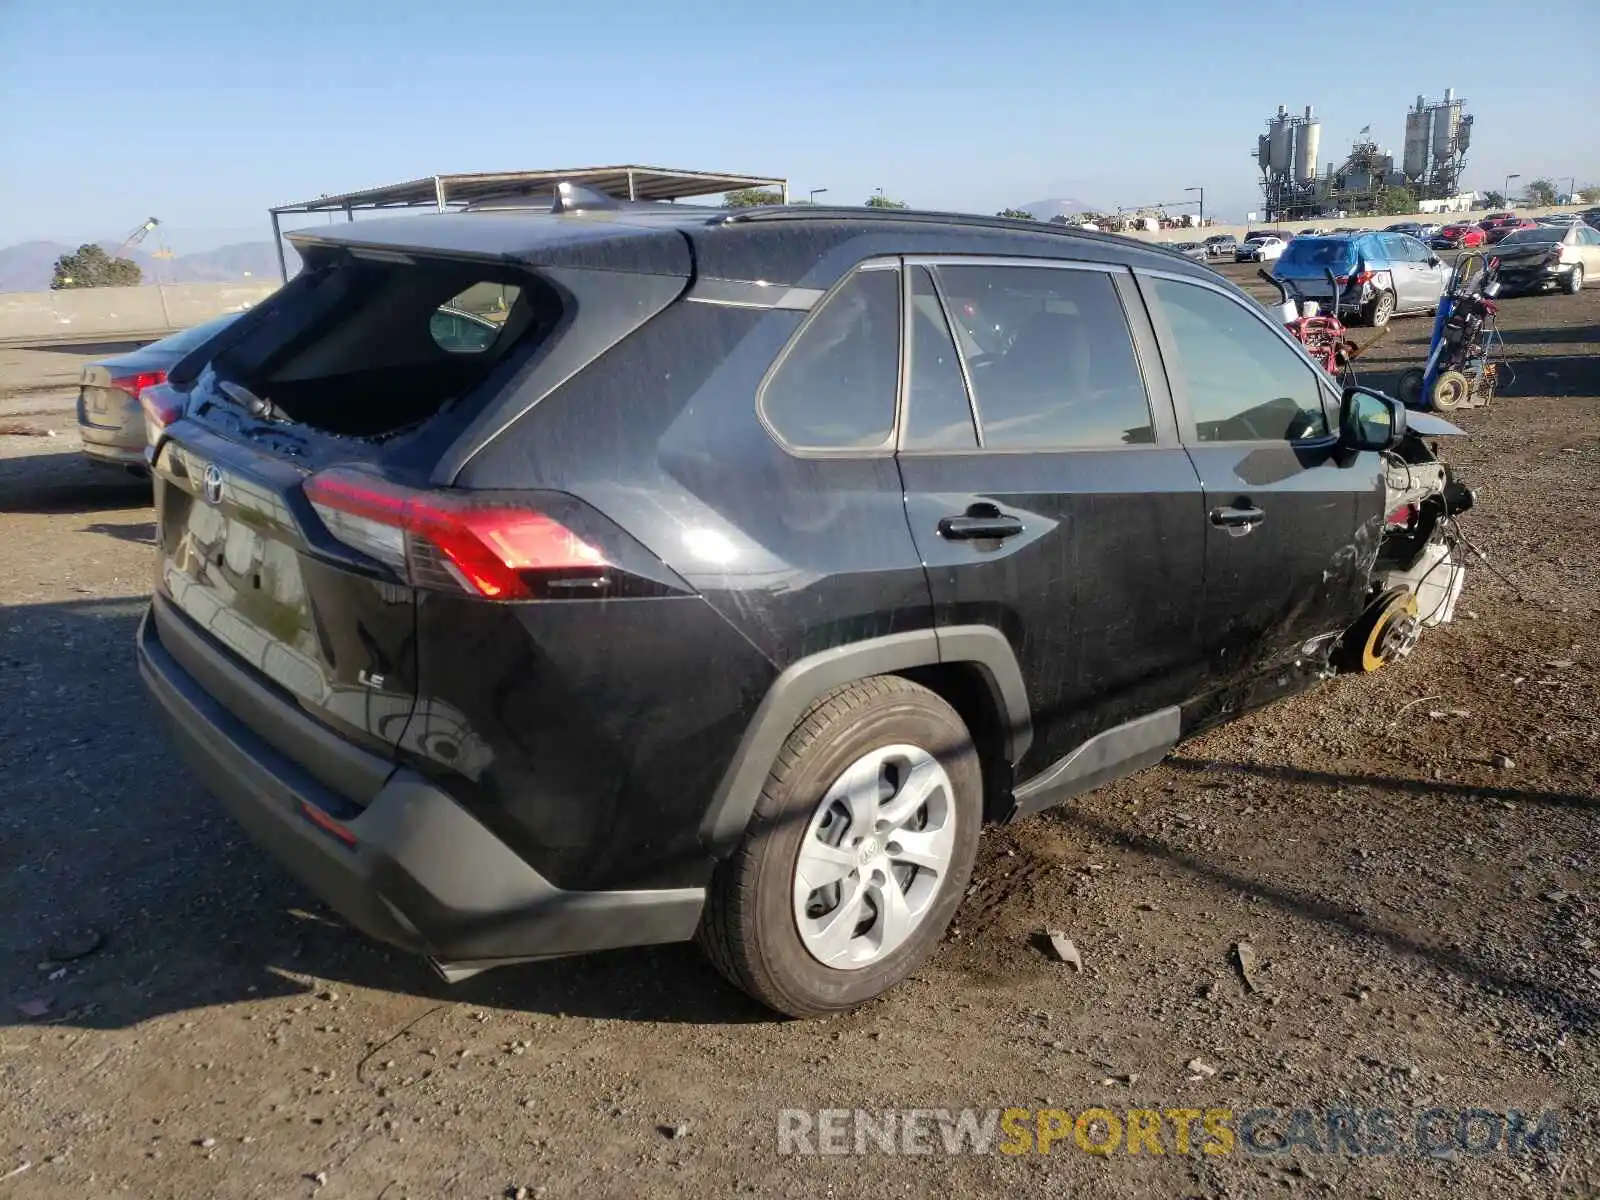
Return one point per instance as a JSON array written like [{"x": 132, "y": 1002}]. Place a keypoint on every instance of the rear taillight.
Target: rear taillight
[
  {"x": 135, "y": 385},
  {"x": 162, "y": 405},
  {"x": 1359, "y": 278},
  {"x": 1401, "y": 516},
  {"x": 454, "y": 541}
]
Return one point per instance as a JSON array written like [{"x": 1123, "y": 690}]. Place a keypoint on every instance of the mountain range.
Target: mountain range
[{"x": 29, "y": 266}]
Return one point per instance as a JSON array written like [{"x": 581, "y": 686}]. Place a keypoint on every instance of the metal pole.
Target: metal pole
[
  {"x": 631, "y": 193},
  {"x": 277, "y": 244},
  {"x": 786, "y": 191},
  {"x": 438, "y": 192},
  {"x": 348, "y": 214}
]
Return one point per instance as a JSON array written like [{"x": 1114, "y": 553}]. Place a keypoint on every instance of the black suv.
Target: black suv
[{"x": 534, "y": 583}]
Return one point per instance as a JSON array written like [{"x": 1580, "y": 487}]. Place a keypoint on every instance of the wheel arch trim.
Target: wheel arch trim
[{"x": 803, "y": 682}]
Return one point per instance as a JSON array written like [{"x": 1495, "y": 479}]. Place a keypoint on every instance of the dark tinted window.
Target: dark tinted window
[
  {"x": 1545, "y": 233},
  {"x": 1244, "y": 383},
  {"x": 1319, "y": 252},
  {"x": 938, "y": 414},
  {"x": 836, "y": 387},
  {"x": 1050, "y": 357}
]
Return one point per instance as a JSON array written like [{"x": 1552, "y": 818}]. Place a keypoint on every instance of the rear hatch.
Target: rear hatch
[{"x": 302, "y": 497}]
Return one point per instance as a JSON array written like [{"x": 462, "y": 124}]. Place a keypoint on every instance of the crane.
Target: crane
[{"x": 137, "y": 236}]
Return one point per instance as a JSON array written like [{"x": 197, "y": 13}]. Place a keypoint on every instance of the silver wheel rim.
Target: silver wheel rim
[
  {"x": 1385, "y": 306},
  {"x": 1577, "y": 278},
  {"x": 874, "y": 857}
]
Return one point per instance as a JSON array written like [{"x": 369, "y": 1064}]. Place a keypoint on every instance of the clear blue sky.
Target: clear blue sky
[{"x": 206, "y": 113}]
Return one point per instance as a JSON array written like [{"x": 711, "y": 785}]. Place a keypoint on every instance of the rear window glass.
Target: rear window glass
[
  {"x": 1544, "y": 234},
  {"x": 1319, "y": 252},
  {"x": 368, "y": 349}
]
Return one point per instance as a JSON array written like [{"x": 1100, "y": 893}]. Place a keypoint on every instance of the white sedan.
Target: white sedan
[{"x": 1259, "y": 250}]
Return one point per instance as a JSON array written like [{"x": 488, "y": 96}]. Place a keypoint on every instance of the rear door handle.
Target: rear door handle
[
  {"x": 1237, "y": 517},
  {"x": 976, "y": 526}
]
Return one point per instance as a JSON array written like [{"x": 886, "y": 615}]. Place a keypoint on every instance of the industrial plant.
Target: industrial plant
[{"x": 1437, "y": 136}]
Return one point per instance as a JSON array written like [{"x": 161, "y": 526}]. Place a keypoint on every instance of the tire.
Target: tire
[
  {"x": 752, "y": 926},
  {"x": 1378, "y": 310},
  {"x": 1408, "y": 388},
  {"x": 1573, "y": 283},
  {"x": 1452, "y": 390}
]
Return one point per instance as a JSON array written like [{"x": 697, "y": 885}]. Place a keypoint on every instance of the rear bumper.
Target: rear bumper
[
  {"x": 1516, "y": 276},
  {"x": 422, "y": 873},
  {"x": 118, "y": 446}
]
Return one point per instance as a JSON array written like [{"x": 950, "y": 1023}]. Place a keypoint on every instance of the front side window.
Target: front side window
[
  {"x": 835, "y": 387},
  {"x": 1050, "y": 357},
  {"x": 1244, "y": 382}
]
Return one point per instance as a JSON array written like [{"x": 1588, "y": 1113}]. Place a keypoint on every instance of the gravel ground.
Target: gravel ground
[{"x": 179, "y": 1019}]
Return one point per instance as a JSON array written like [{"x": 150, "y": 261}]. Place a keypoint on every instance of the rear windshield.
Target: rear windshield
[
  {"x": 1544, "y": 234},
  {"x": 1319, "y": 252},
  {"x": 368, "y": 349}
]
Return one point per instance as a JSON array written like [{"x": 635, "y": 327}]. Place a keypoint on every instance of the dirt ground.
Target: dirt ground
[{"x": 179, "y": 1019}]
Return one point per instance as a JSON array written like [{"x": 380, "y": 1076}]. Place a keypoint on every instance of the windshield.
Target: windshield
[
  {"x": 1523, "y": 236},
  {"x": 1318, "y": 252}
]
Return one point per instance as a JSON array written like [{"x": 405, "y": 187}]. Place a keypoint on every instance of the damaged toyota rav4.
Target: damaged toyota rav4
[{"x": 550, "y": 581}]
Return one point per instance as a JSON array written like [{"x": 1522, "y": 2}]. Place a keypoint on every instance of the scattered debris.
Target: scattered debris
[
  {"x": 15, "y": 1171},
  {"x": 1199, "y": 1070},
  {"x": 1244, "y": 957},
  {"x": 205, "y": 1143},
  {"x": 320, "y": 1178},
  {"x": 673, "y": 1132},
  {"x": 1553, "y": 896},
  {"x": 1503, "y": 762},
  {"x": 36, "y": 1007},
  {"x": 1559, "y": 664},
  {"x": 1063, "y": 949}
]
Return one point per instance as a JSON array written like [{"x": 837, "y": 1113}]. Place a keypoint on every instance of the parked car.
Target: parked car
[
  {"x": 1379, "y": 274},
  {"x": 507, "y": 656},
  {"x": 1559, "y": 219},
  {"x": 1495, "y": 218},
  {"x": 1219, "y": 245},
  {"x": 1409, "y": 228},
  {"x": 1457, "y": 237},
  {"x": 1314, "y": 231},
  {"x": 1493, "y": 234},
  {"x": 1427, "y": 229},
  {"x": 1259, "y": 248},
  {"x": 1190, "y": 250},
  {"x": 1561, "y": 256},
  {"x": 111, "y": 423}
]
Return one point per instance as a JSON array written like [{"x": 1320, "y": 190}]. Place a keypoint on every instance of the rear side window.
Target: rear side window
[
  {"x": 835, "y": 386},
  {"x": 1318, "y": 252},
  {"x": 1050, "y": 356},
  {"x": 1244, "y": 382},
  {"x": 471, "y": 321}
]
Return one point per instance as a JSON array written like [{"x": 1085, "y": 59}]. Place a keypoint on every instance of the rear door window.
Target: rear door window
[
  {"x": 938, "y": 410},
  {"x": 835, "y": 386},
  {"x": 1050, "y": 357}
]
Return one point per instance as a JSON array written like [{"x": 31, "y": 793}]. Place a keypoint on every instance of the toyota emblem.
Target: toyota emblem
[{"x": 213, "y": 484}]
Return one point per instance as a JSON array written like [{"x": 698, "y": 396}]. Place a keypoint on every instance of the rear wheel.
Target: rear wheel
[
  {"x": 1574, "y": 280},
  {"x": 1378, "y": 310},
  {"x": 857, "y": 855}
]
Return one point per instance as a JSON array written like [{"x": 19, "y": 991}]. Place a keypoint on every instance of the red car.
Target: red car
[
  {"x": 1493, "y": 233},
  {"x": 1453, "y": 237}
]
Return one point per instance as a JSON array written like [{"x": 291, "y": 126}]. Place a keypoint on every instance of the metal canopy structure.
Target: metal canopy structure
[{"x": 445, "y": 192}]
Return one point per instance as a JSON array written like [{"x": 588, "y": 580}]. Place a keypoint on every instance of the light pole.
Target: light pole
[
  {"x": 1202, "y": 192},
  {"x": 815, "y": 192},
  {"x": 1509, "y": 178},
  {"x": 1572, "y": 189}
]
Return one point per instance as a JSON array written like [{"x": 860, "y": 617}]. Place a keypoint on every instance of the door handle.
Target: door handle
[
  {"x": 979, "y": 522},
  {"x": 1242, "y": 517}
]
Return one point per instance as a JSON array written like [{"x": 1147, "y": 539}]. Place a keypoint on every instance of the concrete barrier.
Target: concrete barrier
[
  {"x": 1163, "y": 236},
  {"x": 86, "y": 315}
]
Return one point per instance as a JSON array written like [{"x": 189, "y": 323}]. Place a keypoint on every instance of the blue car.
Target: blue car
[{"x": 1379, "y": 274}]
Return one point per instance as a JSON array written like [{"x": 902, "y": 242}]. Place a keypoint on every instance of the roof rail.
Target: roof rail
[{"x": 801, "y": 212}]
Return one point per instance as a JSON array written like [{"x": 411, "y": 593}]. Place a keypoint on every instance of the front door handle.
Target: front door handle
[
  {"x": 980, "y": 521},
  {"x": 1238, "y": 517}
]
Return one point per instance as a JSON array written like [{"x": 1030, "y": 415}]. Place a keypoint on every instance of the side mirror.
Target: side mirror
[
  {"x": 1435, "y": 261},
  {"x": 1369, "y": 420}
]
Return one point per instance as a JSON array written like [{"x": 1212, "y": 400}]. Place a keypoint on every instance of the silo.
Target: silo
[
  {"x": 1415, "y": 161},
  {"x": 1279, "y": 159},
  {"x": 1308, "y": 140},
  {"x": 1261, "y": 151},
  {"x": 1446, "y": 121},
  {"x": 1464, "y": 134}
]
